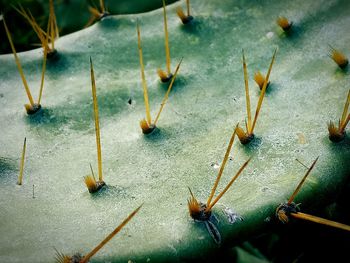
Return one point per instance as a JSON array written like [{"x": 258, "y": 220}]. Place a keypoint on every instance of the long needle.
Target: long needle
[
  {"x": 301, "y": 182},
  {"x": 18, "y": 64},
  {"x": 44, "y": 66},
  {"x": 36, "y": 27},
  {"x": 22, "y": 162},
  {"x": 192, "y": 195},
  {"x": 102, "y": 5},
  {"x": 57, "y": 32},
  {"x": 222, "y": 167},
  {"x": 92, "y": 172},
  {"x": 346, "y": 108},
  {"x": 302, "y": 163},
  {"x": 52, "y": 33},
  {"x": 97, "y": 125},
  {"x": 343, "y": 125},
  {"x": 110, "y": 236},
  {"x": 249, "y": 115},
  {"x": 167, "y": 50},
  {"x": 167, "y": 93},
  {"x": 53, "y": 22},
  {"x": 263, "y": 90},
  {"x": 144, "y": 83},
  {"x": 188, "y": 7},
  {"x": 31, "y": 20},
  {"x": 320, "y": 220},
  {"x": 228, "y": 185}
]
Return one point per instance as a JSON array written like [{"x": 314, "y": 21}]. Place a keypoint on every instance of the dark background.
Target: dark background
[{"x": 72, "y": 15}]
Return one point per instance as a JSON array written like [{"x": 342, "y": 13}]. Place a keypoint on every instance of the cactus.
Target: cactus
[{"x": 306, "y": 90}]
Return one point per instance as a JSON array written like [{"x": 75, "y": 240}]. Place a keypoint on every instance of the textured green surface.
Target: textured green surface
[{"x": 207, "y": 101}]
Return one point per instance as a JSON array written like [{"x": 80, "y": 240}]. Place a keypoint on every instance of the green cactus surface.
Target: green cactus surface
[{"x": 53, "y": 209}]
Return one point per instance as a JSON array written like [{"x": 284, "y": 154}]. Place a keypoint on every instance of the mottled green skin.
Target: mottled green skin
[{"x": 307, "y": 90}]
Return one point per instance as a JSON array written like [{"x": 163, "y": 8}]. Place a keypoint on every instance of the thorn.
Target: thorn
[
  {"x": 222, "y": 167},
  {"x": 167, "y": 49},
  {"x": 20, "y": 177},
  {"x": 247, "y": 96},
  {"x": 302, "y": 182},
  {"x": 97, "y": 125},
  {"x": 26, "y": 87},
  {"x": 168, "y": 92},
  {"x": 144, "y": 83},
  {"x": 302, "y": 164},
  {"x": 320, "y": 220},
  {"x": 263, "y": 90},
  {"x": 228, "y": 185},
  {"x": 110, "y": 236}
]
